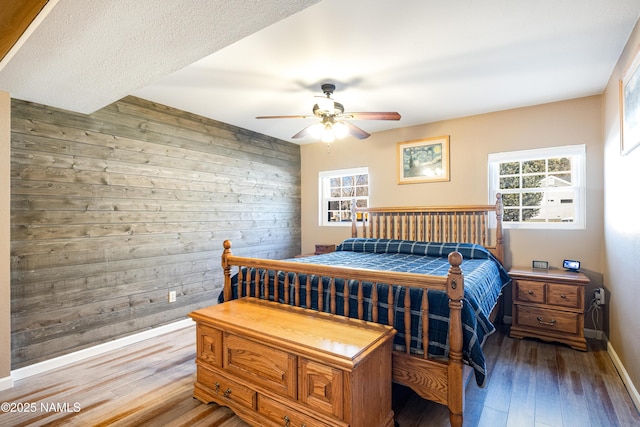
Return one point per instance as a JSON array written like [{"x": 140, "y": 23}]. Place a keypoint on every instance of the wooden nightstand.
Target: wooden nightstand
[
  {"x": 549, "y": 305},
  {"x": 325, "y": 249}
]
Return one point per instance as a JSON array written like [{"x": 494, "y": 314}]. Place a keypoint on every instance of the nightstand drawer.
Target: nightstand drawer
[
  {"x": 550, "y": 320},
  {"x": 563, "y": 295},
  {"x": 529, "y": 291}
]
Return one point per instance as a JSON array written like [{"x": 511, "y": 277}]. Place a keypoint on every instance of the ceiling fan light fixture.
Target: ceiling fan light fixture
[
  {"x": 340, "y": 130},
  {"x": 333, "y": 123},
  {"x": 327, "y": 134}
]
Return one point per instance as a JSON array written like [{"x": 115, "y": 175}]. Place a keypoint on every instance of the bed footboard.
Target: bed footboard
[{"x": 434, "y": 380}]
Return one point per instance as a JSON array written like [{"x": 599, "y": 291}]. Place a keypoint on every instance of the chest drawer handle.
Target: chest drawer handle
[
  {"x": 530, "y": 292},
  {"x": 286, "y": 421},
  {"x": 542, "y": 322},
  {"x": 227, "y": 393},
  {"x": 563, "y": 296}
]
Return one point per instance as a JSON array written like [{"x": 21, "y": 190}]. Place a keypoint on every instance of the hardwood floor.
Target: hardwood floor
[{"x": 151, "y": 384}]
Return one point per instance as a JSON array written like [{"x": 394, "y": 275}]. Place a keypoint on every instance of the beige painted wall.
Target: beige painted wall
[
  {"x": 577, "y": 121},
  {"x": 622, "y": 227},
  {"x": 5, "y": 282}
]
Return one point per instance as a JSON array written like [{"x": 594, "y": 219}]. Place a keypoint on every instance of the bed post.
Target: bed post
[
  {"x": 455, "y": 388},
  {"x": 499, "y": 237},
  {"x": 354, "y": 221},
  {"x": 226, "y": 268}
]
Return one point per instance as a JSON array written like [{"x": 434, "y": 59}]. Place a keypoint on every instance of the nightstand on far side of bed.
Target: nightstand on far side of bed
[{"x": 549, "y": 305}]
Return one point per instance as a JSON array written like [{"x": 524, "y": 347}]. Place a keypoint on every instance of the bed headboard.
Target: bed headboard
[{"x": 459, "y": 224}]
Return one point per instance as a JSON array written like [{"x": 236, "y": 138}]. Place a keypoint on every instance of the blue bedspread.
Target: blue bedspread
[{"x": 484, "y": 279}]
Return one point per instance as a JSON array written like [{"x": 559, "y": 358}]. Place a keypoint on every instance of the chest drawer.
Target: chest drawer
[
  {"x": 563, "y": 295},
  {"x": 229, "y": 389},
  {"x": 530, "y": 291},
  {"x": 261, "y": 364},
  {"x": 287, "y": 416},
  {"x": 549, "y": 320}
]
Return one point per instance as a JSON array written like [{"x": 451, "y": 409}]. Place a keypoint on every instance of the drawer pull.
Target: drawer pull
[
  {"x": 286, "y": 421},
  {"x": 217, "y": 387},
  {"x": 530, "y": 292},
  {"x": 542, "y": 322},
  {"x": 563, "y": 296},
  {"x": 227, "y": 393}
]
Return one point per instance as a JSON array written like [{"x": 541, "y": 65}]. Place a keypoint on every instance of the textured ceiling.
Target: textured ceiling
[{"x": 233, "y": 60}]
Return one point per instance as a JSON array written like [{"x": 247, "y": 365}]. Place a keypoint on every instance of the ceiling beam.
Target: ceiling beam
[{"x": 15, "y": 18}]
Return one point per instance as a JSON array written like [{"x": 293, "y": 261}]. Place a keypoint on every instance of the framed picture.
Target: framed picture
[
  {"x": 423, "y": 160},
  {"x": 630, "y": 107}
]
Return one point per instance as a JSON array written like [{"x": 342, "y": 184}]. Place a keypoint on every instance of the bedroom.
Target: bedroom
[{"x": 609, "y": 260}]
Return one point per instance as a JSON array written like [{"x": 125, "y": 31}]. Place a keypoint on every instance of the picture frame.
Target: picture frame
[
  {"x": 629, "y": 87},
  {"x": 423, "y": 160}
]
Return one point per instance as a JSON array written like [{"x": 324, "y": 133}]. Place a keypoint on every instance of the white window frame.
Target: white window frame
[
  {"x": 324, "y": 178},
  {"x": 578, "y": 174}
]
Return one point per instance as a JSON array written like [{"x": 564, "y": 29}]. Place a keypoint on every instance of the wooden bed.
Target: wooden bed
[{"x": 441, "y": 381}]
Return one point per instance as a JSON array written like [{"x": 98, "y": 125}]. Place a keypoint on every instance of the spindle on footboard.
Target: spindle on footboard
[{"x": 261, "y": 279}]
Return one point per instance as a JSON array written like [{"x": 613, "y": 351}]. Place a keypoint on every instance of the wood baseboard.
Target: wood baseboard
[
  {"x": 628, "y": 383},
  {"x": 47, "y": 365}
]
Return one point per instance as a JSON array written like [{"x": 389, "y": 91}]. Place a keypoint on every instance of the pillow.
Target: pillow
[{"x": 434, "y": 249}]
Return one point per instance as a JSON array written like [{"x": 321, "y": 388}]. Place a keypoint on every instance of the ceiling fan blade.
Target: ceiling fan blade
[
  {"x": 356, "y": 131},
  {"x": 388, "y": 115},
  {"x": 284, "y": 117},
  {"x": 304, "y": 132}
]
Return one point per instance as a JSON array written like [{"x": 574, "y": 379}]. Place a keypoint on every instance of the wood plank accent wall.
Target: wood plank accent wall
[{"x": 111, "y": 211}]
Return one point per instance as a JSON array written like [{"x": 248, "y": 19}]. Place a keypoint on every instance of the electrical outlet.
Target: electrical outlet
[
  {"x": 599, "y": 295},
  {"x": 172, "y": 296}
]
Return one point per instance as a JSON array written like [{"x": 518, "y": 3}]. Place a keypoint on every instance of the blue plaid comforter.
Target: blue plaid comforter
[{"x": 484, "y": 279}]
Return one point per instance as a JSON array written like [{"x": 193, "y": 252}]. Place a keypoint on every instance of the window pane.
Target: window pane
[
  {"x": 562, "y": 164},
  {"x": 533, "y": 166},
  {"x": 530, "y": 214},
  {"x": 347, "y": 192},
  {"x": 509, "y": 182},
  {"x": 560, "y": 180},
  {"x": 532, "y": 181},
  {"x": 362, "y": 180},
  {"x": 532, "y": 199},
  {"x": 511, "y": 215},
  {"x": 347, "y": 181},
  {"x": 335, "y": 182},
  {"x": 362, "y": 191},
  {"x": 509, "y": 168},
  {"x": 511, "y": 199},
  {"x": 335, "y": 192}
]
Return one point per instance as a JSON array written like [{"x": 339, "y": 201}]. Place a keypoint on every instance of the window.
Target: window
[
  {"x": 338, "y": 189},
  {"x": 542, "y": 188}
]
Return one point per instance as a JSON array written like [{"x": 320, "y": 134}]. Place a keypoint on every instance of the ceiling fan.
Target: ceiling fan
[{"x": 333, "y": 124}]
